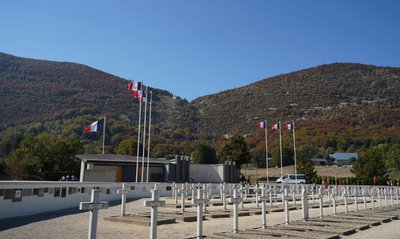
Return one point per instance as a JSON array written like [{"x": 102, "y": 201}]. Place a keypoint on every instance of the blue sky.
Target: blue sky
[{"x": 194, "y": 48}]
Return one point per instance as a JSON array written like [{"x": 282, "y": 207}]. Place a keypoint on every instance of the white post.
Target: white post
[
  {"x": 333, "y": 195},
  {"x": 364, "y": 198},
  {"x": 138, "y": 138},
  {"x": 294, "y": 154},
  {"x": 345, "y": 194},
  {"x": 224, "y": 192},
  {"x": 104, "y": 134},
  {"x": 144, "y": 133},
  {"x": 266, "y": 150},
  {"x": 235, "y": 200},
  {"x": 263, "y": 199},
  {"x": 286, "y": 199},
  {"x": 183, "y": 191},
  {"x": 148, "y": 142},
  {"x": 256, "y": 188},
  {"x": 280, "y": 146},
  {"x": 304, "y": 203},
  {"x": 94, "y": 206},
  {"x": 355, "y": 200},
  {"x": 321, "y": 203},
  {"x": 154, "y": 203}
]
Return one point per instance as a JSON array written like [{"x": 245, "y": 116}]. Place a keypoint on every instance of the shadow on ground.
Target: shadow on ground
[{"x": 13, "y": 222}]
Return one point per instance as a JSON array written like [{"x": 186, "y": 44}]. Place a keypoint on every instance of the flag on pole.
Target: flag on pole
[
  {"x": 130, "y": 86},
  {"x": 276, "y": 126},
  {"x": 289, "y": 126},
  {"x": 96, "y": 126},
  {"x": 262, "y": 125}
]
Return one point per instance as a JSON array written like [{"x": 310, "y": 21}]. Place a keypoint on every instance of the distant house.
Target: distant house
[
  {"x": 319, "y": 161},
  {"x": 342, "y": 158}
]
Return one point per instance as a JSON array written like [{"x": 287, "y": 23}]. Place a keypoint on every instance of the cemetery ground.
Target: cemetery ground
[
  {"x": 323, "y": 171},
  {"x": 73, "y": 224}
]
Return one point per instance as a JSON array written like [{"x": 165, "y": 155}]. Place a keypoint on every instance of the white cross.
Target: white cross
[
  {"x": 154, "y": 203},
  {"x": 124, "y": 191},
  {"x": 183, "y": 193},
  {"x": 235, "y": 200},
  {"x": 94, "y": 206},
  {"x": 200, "y": 201},
  {"x": 304, "y": 203}
]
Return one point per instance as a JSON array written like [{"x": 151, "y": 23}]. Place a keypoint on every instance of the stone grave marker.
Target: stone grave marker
[
  {"x": 154, "y": 203},
  {"x": 94, "y": 206}
]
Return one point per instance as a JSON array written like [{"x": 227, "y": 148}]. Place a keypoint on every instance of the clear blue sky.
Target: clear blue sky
[{"x": 194, "y": 48}]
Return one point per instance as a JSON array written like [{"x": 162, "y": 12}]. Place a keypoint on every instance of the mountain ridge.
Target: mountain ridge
[{"x": 348, "y": 93}]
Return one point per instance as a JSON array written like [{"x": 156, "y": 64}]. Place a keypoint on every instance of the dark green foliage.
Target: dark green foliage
[
  {"x": 287, "y": 157},
  {"x": 44, "y": 157},
  {"x": 370, "y": 164},
  {"x": 235, "y": 150},
  {"x": 204, "y": 154},
  {"x": 304, "y": 163}
]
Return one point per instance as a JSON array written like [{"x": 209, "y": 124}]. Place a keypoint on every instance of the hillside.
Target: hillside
[
  {"x": 40, "y": 91},
  {"x": 330, "y": 103},
  {"x": 338, "y": 95}
]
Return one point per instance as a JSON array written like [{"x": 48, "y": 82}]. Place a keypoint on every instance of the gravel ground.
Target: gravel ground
[{"x": 70, "y": 224}]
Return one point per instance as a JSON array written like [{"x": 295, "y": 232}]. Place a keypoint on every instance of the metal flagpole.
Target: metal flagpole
[
  {"x": 104, "y": 134},
  {"x": 280, "y": 146},
  {"x": 138, "y": 139},
  {"x": 148, "y": 142},
  {"x": 266, "y": 149},
  {"x": 294, "y": 152},
  {"x": 144, "y": 132}
]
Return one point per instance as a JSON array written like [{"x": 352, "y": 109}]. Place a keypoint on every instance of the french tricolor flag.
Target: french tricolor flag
[
  {"x": 96, "y": 126},
  {"x": 275, "y": 126},
  {"x": 262, "y": 125},
  {"x": 289, "y": 126}
]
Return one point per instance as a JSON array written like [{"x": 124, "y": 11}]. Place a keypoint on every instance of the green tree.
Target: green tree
[
  {"x": 236, "y": 150},
  {"x": 204, "y": 154},
  {"x": 304, "y": 163},
  {"x": 287, "y": 157},
  {"x": 370, "y": 164},
  {"x": 44, "y": 157}
]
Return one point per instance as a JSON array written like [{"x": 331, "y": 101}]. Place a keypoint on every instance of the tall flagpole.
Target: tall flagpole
[
  {"x": 144, "y": 132},
  {"x": 280, "y": 146},
  {"x": 266, "y": 149},
  {"x": 104, "y": 134},
  {"x": 138, "y": 139},
  {"x": 148, "y": 142},
  {"x": 294, "y": 152}
]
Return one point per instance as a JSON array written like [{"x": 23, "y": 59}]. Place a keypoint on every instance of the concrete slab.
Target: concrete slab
[
  {"x": 139, "y": 219},
  {"x": 324, "y": 227}
]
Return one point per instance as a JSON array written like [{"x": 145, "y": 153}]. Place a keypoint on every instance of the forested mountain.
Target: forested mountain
[
  {"x": 336, "y": 105},
  {"x": 40, "y": 91},
  {"x": 347, "y": 94}
]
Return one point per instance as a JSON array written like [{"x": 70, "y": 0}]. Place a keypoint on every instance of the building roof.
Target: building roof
[
  {"x": 107, "y": 158},
  {"x": 343, "y": 156},
  {"x": 319, "y": 160}
]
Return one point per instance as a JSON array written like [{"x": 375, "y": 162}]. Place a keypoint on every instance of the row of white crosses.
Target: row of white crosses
[{"x": 202, "y": 193}]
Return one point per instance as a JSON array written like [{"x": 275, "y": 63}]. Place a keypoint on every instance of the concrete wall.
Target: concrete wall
[
  {"x": 207, "y": 173},
  {"x": 38, "y": 197},
  {"x": 101, "y": 174}
]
